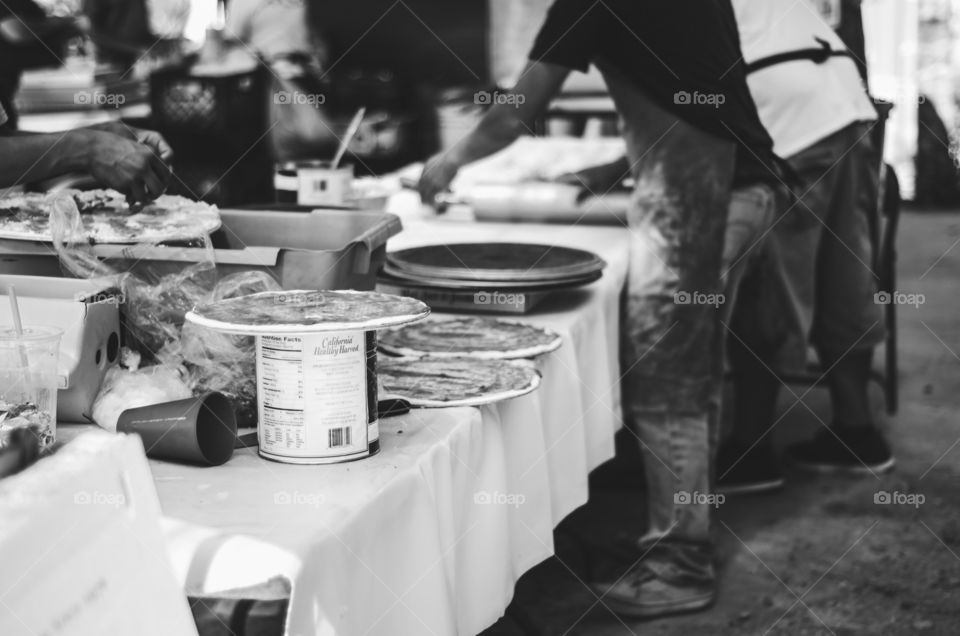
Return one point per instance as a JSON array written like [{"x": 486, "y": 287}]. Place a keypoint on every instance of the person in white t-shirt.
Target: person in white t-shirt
[
  {"x": 812, "y": 100},
  {"x": 282, "y": 36}
]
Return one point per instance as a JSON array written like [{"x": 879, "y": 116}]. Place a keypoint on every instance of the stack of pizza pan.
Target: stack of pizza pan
[{"x": 486, "y": 276}]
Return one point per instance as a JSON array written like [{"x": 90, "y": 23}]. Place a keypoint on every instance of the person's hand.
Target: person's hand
[
  {"x": 155, "y": 140},
  {"x": 437, "y": 174},
  {"x": 126, "y": 165},
  {"x": 151, "y": 138},
  {"x": 82, "y": 25}
]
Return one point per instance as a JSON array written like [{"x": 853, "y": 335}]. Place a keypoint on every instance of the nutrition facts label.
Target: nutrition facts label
[{"x": 313, "y": 395}]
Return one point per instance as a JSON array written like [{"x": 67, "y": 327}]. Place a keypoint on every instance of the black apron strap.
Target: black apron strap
[{"x": 817, "y": 56}]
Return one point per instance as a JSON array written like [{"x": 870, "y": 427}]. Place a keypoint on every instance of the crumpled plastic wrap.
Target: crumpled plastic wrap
[
  {"x": 154, "y": 302},
  {"x": 124, "y": 389},
  {"x": 153, "y": 310},
  {"x": 223, "y": 362}
]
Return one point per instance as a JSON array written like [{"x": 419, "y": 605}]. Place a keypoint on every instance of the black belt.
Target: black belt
[{"x": 817, "y": 56}]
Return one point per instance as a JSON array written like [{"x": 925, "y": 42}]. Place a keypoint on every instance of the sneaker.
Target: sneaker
[
  {"x": 645, "y": 593},
  {"x": 860, "y": 451},
  {"x": 747, "y": 470}
]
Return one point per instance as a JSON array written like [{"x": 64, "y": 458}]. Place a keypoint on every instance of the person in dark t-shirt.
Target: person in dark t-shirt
[
  {"x": 705, "y": 173},
  {"x": 707, "y": 91}
]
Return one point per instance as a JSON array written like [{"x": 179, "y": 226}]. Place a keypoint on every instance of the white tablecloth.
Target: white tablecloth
[{"x": 429, "y": 536}]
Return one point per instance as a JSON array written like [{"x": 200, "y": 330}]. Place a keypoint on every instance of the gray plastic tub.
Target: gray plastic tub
[{"x": 322, "y": 249}]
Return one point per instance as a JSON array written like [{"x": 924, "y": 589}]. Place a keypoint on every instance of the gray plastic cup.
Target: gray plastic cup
[{"x": 198, "y": 430}]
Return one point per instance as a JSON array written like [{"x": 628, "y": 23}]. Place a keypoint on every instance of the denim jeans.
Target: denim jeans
[
  {"x": 672, "y": 331},
  {"x": 822, "y": 250},
  {"x": 679, "y": 438}
]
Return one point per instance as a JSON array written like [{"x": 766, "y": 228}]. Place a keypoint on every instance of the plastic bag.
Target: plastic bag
[
  {"x": 155, "y": 302},
  {"x": 223, "y": 362},
  {"x": 153, "y": 309},
  {"x": 124, "y": 389}
]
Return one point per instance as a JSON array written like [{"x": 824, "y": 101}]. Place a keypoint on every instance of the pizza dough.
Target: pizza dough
[
  {"x": 107, "y": 218},
  {"x": 302, "y": 311},
  {"x": 443, "y": 382},
  {"x": 469, "y": 336}
]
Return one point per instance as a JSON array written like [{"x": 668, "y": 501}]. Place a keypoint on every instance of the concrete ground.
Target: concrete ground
[{"x": 820, "y": 557}]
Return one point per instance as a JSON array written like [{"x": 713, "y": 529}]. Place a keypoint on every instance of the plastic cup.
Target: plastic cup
[
  {"x": 29, "y": 381},
  {"x": 198, "y": 430}
]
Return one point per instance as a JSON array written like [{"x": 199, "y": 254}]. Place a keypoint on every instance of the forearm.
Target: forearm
[
  {"x": 499, "y": 128},
  {"x": 506, "y": 120},
  {"x": 27, "y": 157}
]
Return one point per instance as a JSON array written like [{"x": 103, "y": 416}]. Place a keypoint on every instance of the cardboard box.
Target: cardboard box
[{"x": 88, "y": 313}]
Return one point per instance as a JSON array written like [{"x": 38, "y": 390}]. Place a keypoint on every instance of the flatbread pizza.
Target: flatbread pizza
[
  {"x": 446, "y": 382},
  {"x": 106, "y": 217},
  {"x": 471, "y": 337},
  {"x": 304, "y": 311}
]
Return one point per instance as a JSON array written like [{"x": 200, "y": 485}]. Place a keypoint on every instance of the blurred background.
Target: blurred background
[{"x": 212, "y": 76}]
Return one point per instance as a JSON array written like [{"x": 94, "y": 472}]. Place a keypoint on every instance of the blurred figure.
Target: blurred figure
[
  {"x": 279, "y": 33},
  {"x": 811, "y": 98},
  {"x": 29, "y": 39}
]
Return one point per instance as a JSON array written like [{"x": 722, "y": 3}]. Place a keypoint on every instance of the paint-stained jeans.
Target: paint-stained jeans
[
  {"x": 684, "y": 276},
  {"x": 672, "y": 346}
]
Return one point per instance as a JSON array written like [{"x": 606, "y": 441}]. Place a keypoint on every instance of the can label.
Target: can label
[
  {"x": 323, "y": 186},
  {"x": 285, "y": 182},
  {"x": 313, "y": 397}
]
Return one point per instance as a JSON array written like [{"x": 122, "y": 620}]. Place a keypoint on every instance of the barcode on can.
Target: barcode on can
[
  {"x": 337, "y": 437},
  {"x": 319, "y": 185}
]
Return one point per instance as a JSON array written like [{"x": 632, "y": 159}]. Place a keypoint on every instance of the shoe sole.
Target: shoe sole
[
  {"x": 754, "y": 488},
  {"x": 844, "y": 469},
  {"x": 628, "y": 609}
]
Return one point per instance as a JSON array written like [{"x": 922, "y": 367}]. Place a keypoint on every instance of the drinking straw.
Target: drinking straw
[
  {"x": 348, "y": 137},
  {"x": 17, "y": 325}
]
